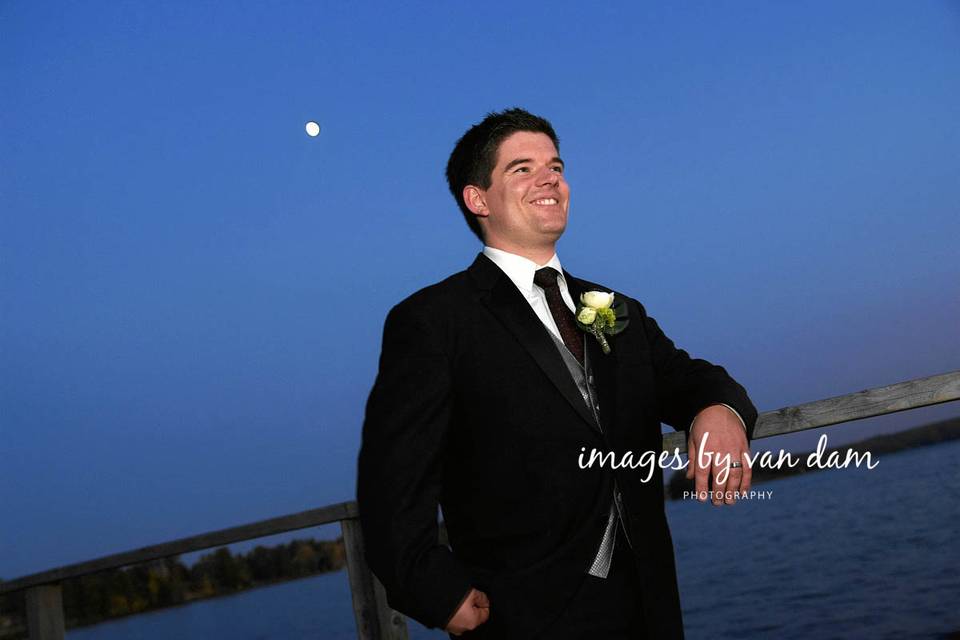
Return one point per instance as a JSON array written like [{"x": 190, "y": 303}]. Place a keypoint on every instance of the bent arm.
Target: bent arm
[
  {"x": 400, "y": 470},
  {"x": 685, "y": 385}
]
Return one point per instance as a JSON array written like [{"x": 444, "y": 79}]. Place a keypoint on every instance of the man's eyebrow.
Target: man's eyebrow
[{"x": 513, "y": 163}]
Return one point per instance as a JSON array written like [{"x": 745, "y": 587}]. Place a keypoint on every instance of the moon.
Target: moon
[{"x": 313, "y": 129}]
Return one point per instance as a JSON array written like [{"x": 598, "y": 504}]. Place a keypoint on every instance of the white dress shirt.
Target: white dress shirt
[{"x": 521, "y": 270}]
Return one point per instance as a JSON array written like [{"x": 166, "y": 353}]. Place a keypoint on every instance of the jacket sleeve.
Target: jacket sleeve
[
  {"x": 685, "y": 385},
  {"x": 400, "y": 469}
]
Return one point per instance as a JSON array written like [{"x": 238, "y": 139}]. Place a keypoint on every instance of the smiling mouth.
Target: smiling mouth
[{"x": 546, "y": 201}]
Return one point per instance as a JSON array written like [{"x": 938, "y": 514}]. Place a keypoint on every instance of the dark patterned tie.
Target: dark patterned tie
[{"x": 546, "y": 279}]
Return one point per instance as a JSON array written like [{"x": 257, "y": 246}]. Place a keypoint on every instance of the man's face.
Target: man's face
[{"x": 526, "y": 203}]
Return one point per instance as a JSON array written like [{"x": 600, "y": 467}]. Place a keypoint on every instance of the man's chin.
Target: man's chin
[
  {"x": 555, "y": 230},
  {"x": 554, "y": 225}
]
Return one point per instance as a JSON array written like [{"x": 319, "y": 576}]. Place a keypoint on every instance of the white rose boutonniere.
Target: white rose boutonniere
[{"x": 599, "y": 315}]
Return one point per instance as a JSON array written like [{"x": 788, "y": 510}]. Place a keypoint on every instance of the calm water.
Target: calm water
[{"x": 839, "y": 554}]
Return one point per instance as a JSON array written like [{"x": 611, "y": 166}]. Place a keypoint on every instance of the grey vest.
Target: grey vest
[{"x": 583, "y": 377}]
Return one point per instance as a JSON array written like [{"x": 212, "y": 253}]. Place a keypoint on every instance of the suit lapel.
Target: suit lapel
[{"x": 509, "y": 306}]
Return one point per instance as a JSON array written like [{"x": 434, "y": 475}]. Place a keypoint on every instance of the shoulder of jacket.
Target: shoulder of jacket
[{"x": 434, "y": 297}]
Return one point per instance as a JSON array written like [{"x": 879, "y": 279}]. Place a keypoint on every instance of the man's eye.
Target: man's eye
[
  {"x": 519, "y": 169},
  {"x": 558, "y": 169}
]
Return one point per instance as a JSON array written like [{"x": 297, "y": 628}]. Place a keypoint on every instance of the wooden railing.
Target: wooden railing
[{"x": 375, "y": 619}]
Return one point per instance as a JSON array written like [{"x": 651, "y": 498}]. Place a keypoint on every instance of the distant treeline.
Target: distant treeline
[
  {"x": 934, "y": 433},
  {"x": 112, "y": 594}
]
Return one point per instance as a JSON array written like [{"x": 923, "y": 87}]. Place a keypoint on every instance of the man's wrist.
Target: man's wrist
[
  {"x": 720, "y": 404},
  {"x": 457, "y": 608}
]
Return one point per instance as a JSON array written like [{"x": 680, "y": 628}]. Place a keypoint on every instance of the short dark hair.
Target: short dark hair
[{"x": 475, "y": 155}]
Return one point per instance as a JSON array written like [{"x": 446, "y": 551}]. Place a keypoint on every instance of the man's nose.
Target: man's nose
[{"x": 548, "y": 176}]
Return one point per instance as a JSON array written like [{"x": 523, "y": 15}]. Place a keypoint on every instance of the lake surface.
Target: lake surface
[{"x": 851, "y": 553}]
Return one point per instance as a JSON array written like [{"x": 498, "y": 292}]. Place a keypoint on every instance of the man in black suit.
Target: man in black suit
[{"x": 490, "y": 398}]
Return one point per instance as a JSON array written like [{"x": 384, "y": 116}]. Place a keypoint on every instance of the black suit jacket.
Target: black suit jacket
[{"x": 474, "y": 409}]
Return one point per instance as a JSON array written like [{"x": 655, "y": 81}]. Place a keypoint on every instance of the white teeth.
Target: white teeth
[{"x": 546, "y": 201}]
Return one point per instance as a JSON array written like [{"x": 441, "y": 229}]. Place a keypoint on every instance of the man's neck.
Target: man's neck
[{"x": 540, "y": 255}]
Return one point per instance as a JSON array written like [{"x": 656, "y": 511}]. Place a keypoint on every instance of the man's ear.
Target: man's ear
[{"x": 476, "y": 200}]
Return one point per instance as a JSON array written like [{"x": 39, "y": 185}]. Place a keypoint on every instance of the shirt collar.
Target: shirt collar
[{"x": 519, "y": 269}]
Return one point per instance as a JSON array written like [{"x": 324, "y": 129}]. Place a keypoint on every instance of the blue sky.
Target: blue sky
[{"x": 193, "y": 290}]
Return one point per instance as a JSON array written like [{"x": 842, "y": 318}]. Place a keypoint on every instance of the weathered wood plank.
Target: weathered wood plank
[
  {"x": 361, "y": 582},
  {"x": 912, "y": 394},
  {"x": 375, "y": 619},
  {"x": 45, "y": 612},
  {"x": 304, "y": 519},
  {"x": 393, "y": 624}
]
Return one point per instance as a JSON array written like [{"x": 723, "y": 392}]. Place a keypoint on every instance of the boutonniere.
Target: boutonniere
[{"x": 599, "y": 315}]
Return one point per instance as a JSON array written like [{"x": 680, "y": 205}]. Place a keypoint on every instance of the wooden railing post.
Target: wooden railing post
[
  {"x": 45, "y": 612},
  {"x": 393, "y": 624},
  {"x": 375, "y": 619}
]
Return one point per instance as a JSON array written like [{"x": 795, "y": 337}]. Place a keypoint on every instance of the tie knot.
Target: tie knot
[{"x": 546, "y": 278}]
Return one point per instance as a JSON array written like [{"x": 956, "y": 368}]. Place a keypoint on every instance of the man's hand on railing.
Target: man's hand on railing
[
  {"x": 472, "y": 613},
  {"x": 725, "y": 436}
]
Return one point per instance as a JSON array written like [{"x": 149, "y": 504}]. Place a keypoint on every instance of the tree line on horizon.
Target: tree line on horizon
[{"x": 169, "y": 582}]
